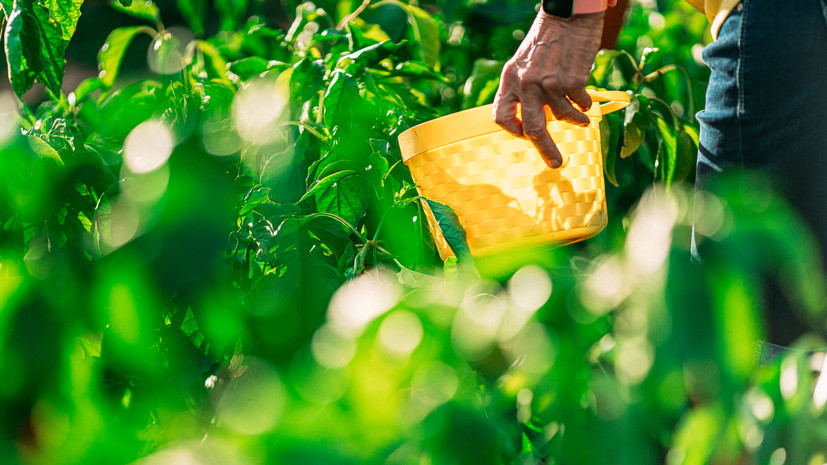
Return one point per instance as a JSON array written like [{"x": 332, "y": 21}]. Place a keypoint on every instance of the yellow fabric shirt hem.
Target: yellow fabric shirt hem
[
  {"x": 716, "y": 10},
  {"x": 718, "y": 19}
]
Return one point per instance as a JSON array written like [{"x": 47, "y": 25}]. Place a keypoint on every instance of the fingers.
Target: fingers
[
  {"x": 581, "y": 98},
  {"x": 534, "y": 129},
  {"x": 561, "y": 106},
  {"x": 505, "y": 113}
]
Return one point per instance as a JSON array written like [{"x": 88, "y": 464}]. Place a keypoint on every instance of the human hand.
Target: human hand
[{"x": 551, "y": 67}]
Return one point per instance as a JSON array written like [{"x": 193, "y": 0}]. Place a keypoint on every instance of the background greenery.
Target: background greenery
[{"x": 210, "y": 252}]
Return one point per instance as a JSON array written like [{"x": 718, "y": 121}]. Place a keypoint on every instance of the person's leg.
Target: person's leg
[{"x": 766, "y": 110}]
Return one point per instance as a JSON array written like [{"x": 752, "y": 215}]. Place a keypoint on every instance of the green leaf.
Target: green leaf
[
  {"x": 254, "y": 198},
  {"x": 87, "y": 87},
  {"x": 635, "y": 125},
  {"x": 268, "y": 293},
  {"x": 341, "y": 95},
  {"x": 34, "y": 48},
  {"x": 65, "y": 13},
  {"x": 346, "y": 198},
  {"x": 425, "y": 33},
  {"x": 609, "y": 155},
  {"x": 373, "y": 52},
  {"x": 326, "y": 182},
  {"x": 647, "y": 52},
  {"x": 685, "y": 156},
  {"x": 215, "y": 63},
  {"x": 112, "y": 52},
  {"x": 231, "y": 12},
  {"x": 141, "y": 9},
  {"x": 130, "y": 106},
  {"x": 417, "y": 69},
  {"x": 602, "y": 66},
  {"x": 195, "y": 12},
  {"x": 43, "y": 149},
  {"x": 668, "y": 152},
  {"x": 453, "y": 231},
  {"x": 249, "y": 67},
  {"x": 379, "y": 158},
  {"x": 481, "y": 86}
]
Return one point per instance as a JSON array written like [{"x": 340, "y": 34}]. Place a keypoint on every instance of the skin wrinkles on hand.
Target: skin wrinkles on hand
[{"x": 550, "y": 68}]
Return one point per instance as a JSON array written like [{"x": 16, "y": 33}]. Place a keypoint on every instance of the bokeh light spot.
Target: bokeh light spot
[
  {"x": 317, "y": 383},
  {"x": 634, "y": 359},
  {"x": 778, "y": 456},
  {"x": 167, "y": 53},
  {"x": 761, "y": 405},
  {"x": 145, "y": 188},
  {"x": 650, "y": 234},
  {"x": 789, "y": 378},
  {"x": 256, "y": 110},
  {"x": 147, "y": 147},
  {"x": 8, "y": 115},
  {"x": 434, "y": 383},
  {"x": 362, "y": 299},
  {"x": 400, "y": 333},
  {"x": 121, "y": 225},
  {"x": 606, "y": 286},
  {"x": 332, "y": 349},
  {"x": 477, "y": 322},
  {"x": 532, "y": 350},
  {"x": 529, "y": 288},
  {"x": 712, "y": 217},
  {"x": 253, "y": 400}
]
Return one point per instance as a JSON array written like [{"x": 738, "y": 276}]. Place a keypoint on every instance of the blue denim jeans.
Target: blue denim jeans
[{"x": 766, "y": 110}]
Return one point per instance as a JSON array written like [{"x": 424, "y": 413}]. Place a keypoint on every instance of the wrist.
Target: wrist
[{"x": 585, "y": 7}]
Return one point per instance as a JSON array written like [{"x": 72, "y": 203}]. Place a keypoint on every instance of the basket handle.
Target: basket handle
[{"x": 616, "y": 100}]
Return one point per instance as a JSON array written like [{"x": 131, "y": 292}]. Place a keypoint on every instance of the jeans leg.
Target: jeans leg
[
  {"x": 766, "y": 110},
  {"x": 720, "y": 137}
]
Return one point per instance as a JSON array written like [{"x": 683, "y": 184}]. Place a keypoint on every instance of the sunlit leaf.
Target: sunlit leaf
[
  {"x": 66, "y": 14},
  {"x": 481, "y": 86},
  {"x": 111, "y": 54},
  {"x": 249, "y": 67},
  {"x": 425, "y": 34},
  {"x": 326, "y": 182},
  {"x": 215, "y": 63},
  {"x": 635, "y": 125},
  {"x": 142, "y": 9},
  {"x": 347, "y": 198},
  {"x": 609, "y": 137},
  {"x": 668, "y": 152},
  {"x": 339, "y": 99},
  {"x": 35, "y": 47},
  {"x": 453, "y": 231},
  {"x": 685, "y": 156},
  {"x": 602, "y": 66},
  {"x": 43, "y": 149}
]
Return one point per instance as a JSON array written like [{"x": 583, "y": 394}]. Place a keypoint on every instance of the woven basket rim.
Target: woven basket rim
[{"x": 456, "y": 127}]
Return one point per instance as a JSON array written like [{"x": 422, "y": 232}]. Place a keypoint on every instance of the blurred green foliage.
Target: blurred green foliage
[{"x": 225, "y": 262}]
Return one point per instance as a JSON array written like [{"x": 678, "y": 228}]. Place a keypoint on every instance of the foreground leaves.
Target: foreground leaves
[{"x": 36, "y": 33}]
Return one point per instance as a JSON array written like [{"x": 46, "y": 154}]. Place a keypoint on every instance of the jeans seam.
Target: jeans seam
[{"x": 740, "y": 78}]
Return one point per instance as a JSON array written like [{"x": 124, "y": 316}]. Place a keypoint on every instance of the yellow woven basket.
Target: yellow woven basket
[{"x": 501, "y": 190}]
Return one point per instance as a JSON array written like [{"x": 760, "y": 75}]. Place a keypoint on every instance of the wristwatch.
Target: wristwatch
[
  {"x": 567, "y": 9},
  {"x": 559, "y": 8}
]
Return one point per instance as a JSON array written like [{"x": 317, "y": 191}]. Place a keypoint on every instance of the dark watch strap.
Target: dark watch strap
[{"x": 561, "y": 8}]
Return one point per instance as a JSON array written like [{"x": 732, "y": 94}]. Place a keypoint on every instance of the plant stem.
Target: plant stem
[{"x": 347, "y": 19}]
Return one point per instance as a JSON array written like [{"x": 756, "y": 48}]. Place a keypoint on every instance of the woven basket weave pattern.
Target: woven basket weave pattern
[{"x": 504, "y": 195}]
